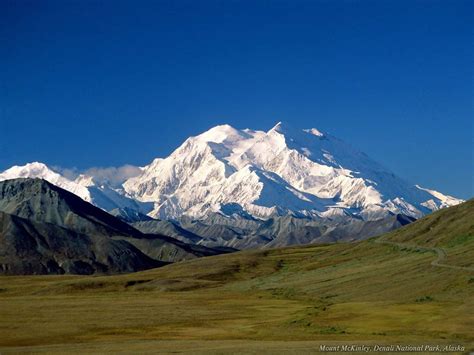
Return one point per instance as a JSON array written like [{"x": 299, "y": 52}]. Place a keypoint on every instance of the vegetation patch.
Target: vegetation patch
[
  {"x": 331, "y": 330},
  {"x": 136, "y": 282},
  {"x": 280, "y": 264},
  {"x": 424, "y": 299},
  {"x": 459, "y": 240},
  {"x": 287, "y": 293},
  {"x": 88, "y": 285}
]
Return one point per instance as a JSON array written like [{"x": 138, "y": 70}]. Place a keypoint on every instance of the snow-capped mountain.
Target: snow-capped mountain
[
  {"x": 99, "y": 194},
  {"x": 255, "y": 174},
  {"x": 282, "y": 171}
]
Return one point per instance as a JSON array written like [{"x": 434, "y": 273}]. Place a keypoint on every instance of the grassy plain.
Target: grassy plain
[{"x": 288, "y": 300}]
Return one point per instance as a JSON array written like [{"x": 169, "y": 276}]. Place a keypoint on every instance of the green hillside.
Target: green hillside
[
  {"x": 379, "y": 291},
  {"x": 451, "y": 230}
]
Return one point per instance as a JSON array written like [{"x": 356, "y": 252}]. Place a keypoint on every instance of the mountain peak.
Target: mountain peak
[
  {"x": 223, "y": 128},
  {"x": 221, "y": 133},
  {"x": 280, "y": 127},
  {"x": 36, "y": 165},
  {"x": 302, "y": 171},
  {"x": 31, "y": 170},
  {"x": 295, "y": 134},
  {"x": 290, "y": 168},
  {"x": 83, "y": 186},
  {"x": 42, "y": 171},
  {"x": 287, "y": 129}
]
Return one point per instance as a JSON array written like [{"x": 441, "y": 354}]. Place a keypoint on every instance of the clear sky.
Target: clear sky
[{"x": 103, "y": 83}]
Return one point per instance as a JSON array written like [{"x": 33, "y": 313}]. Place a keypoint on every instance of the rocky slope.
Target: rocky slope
[
  {"x": 281, "y": 231},
  {"x": 45, "y": 229},
  {"x": 31, "y": 247},
  {"x": 99, "y": 193}
]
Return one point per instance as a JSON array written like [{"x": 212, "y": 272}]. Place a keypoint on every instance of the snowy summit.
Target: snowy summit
[{"x": 284, "y": 171}]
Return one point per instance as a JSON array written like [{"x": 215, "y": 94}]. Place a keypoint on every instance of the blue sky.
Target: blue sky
[{"x": 105, "y": 83}]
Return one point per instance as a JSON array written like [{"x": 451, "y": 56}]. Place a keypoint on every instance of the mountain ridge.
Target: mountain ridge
[
  {"x": 86, "y": 187},
  {"x": 46, "y": 229},
  {"x": 253, "y": 175},
  {"x": 284, "y": 171}
]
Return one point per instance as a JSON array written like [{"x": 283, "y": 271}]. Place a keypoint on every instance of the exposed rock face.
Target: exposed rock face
[
  {"x": 29, "y": 247},
  {"x": 47, "y": 230},
  {"x": 281, "y": 231}
]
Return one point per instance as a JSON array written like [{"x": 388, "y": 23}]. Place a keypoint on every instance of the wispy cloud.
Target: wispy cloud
[{"x": 115, "y": 176}]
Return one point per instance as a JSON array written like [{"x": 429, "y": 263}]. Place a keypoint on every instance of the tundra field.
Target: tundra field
[{"x": 412, "y": 286}]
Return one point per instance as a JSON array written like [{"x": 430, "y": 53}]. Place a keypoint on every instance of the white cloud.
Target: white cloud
[{"x": 115, "y": 176}]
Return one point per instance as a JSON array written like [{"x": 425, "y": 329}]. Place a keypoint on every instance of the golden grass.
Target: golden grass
[
  {"x": 277, "y": 301},
  {"x": 364, "y": 292}
]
